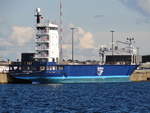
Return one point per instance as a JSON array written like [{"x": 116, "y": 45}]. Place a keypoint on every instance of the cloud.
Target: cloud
[
  {"x": 21, "y": 35},
  {"x": 142, "y": 6},
  {"x": 82, "y": 38},
  {"x": 83, "y": 43},
  {"x": 86, "y": 39},
  {"x": 19, "y": 40}
]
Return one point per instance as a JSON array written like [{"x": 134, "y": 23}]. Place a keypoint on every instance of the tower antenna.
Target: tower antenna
[
  {"x": 38, "y": 15},
  {"x": 61, "y": 31}
]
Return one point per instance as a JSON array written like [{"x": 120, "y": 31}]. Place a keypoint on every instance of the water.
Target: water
[{"x": 76, "y": 98}]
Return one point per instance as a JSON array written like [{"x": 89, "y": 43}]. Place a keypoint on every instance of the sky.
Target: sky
[{"x": 94, "y": 18}]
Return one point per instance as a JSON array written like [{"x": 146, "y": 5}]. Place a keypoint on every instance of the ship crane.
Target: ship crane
[
  {"x": 130, "y": 48},
  {"x": 123, "y": 42},
  {"x": 120, "y": 48}
]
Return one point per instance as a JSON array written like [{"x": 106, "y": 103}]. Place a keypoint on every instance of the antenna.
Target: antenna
[
  {"x": 38, "y": 15},
  {"x": 112, "y": 42},
  {"x": 61, "y": 31},
  {"x": 73, "y": 28}
]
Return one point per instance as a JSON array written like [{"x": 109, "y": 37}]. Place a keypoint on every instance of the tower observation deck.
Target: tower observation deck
[{"x": 46, "y": 41}]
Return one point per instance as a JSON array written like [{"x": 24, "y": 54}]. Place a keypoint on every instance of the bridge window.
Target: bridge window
[
  {"x": 53, "y": 28},
  {"x": 42, "y": 68}
]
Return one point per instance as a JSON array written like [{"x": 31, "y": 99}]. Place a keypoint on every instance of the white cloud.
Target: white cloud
[
  {"x": 83, "y": 43},
  {"x": 81, "y": 31},
  {"x": 19, "y": 40},
  {"x": 22, "y": 35},
  {"x": 86, "y": 39},
  {"x": 82, "y": 38}
]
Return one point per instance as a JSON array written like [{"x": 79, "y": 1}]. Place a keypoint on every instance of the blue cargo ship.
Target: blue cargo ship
[
  {"x": 55, "y": 73},
  {"x": 46, "y": 68}
]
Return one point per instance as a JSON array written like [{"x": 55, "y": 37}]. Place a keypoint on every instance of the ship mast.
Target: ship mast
[{"x": 38, "y": 15}]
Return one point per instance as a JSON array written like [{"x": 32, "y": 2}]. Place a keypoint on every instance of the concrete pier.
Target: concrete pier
[
  {"x": 140, "y": 75},
  {"x": 4, "y": 78}
]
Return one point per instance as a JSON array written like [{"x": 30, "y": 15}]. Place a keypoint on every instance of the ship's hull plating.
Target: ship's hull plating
[
  {"x": 82, "y": 74},
  {"x": 88, "y": 79}
]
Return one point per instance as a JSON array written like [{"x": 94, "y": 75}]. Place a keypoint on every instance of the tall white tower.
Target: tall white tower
[{"x": 47, "y": 40}]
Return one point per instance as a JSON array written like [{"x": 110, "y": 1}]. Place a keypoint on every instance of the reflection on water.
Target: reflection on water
[
  {"x": 55, "y": 85},
  {"x": 75, "y": 98}
]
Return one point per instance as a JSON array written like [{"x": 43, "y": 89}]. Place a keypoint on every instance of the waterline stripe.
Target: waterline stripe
[{"x": 72, "y": 77}]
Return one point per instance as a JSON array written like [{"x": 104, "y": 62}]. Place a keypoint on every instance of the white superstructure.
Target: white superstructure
[
  {"x": 120, "y": 48},
  {"x": 47, "y": 40}
]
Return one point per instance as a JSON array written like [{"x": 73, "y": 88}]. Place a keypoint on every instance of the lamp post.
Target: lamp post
[
  {"x": 131, "y": 49},
  {"x": 73, "y": 28},
  {"x": 138, "y": 56},
  {"x": 112, "y": 42},
  {"x": 130, "y": 43}
]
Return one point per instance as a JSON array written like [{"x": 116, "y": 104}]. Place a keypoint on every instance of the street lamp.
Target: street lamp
[
  {"x": 130, "y": 40},
  {"x": 131, "y": 49},
  {"x": 73, "y": 28},
  {"x": 112, "y": 42}
]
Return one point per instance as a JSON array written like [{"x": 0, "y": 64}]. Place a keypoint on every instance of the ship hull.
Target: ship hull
[
  {"x": 86, "y": 79},
  {"x": 47, "y": 80},
  {"x": 80, "y": 74}
]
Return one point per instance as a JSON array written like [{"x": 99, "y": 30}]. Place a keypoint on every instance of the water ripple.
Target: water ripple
[{"x": 75, "y": 98}]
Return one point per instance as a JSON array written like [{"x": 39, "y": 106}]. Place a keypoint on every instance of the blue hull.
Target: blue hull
[{"x": 79, "y": 74}]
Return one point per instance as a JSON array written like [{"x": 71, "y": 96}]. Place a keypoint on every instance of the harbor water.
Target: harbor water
[{"x": 131, "y": 97}]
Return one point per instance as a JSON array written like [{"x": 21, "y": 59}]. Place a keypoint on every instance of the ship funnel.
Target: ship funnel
[{"x": 38, "y": 15}]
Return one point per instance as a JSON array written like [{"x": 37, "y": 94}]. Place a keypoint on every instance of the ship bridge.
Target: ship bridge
[{"x": 46, "y": 41}]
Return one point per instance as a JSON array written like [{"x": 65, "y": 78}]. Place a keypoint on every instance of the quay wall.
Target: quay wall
[
  {"x": 4, "y": 78},
  {"x": 140, "y": 75}
]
